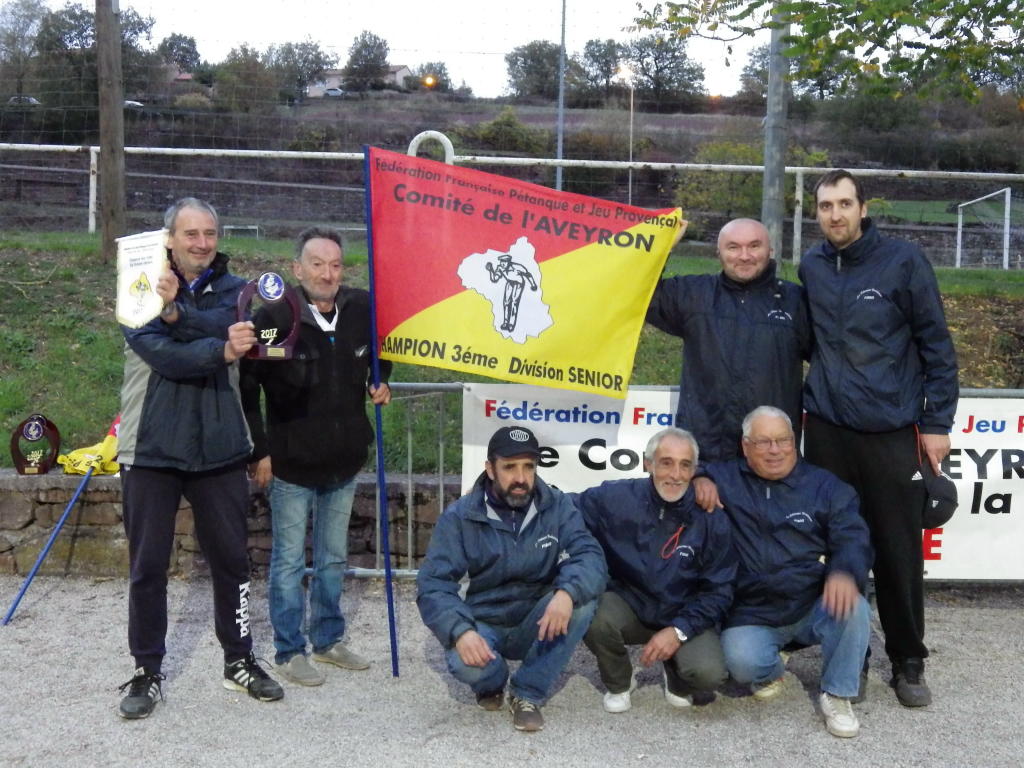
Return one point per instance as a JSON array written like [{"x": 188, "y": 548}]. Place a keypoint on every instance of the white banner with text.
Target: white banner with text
[{"x": 587, "y": 439}]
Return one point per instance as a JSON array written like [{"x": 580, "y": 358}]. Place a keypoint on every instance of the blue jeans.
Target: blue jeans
[
  {"x": 543, "y": 660},
  {"x": 752, "y": 652},
  {"x": 291, "y": 505}
]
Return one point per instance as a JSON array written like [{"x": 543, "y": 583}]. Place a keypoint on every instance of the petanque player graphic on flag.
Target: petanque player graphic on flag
[{"x": 490, "y": 275}]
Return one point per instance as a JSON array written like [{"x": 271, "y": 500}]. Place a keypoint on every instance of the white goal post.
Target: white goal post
[{"x": 1006, "y": 224}]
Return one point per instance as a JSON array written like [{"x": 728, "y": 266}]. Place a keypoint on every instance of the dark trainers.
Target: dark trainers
[
  {"x": 143, "y": 693},
  {"x": 526, "y": 715},
  {"x": 247, "y": 675},
  {"x": 491, "y": 701},
  {"x": 908, "y": 680}
]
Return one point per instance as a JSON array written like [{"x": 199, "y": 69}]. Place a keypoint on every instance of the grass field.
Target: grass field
[{"x": 62, "y": 351}]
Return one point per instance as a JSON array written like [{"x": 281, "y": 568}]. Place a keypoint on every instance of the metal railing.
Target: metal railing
[{"x": 800, "y": 173}]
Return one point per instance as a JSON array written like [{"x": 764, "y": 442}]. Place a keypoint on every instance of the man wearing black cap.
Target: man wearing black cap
[{"x": 535, "y": 573}]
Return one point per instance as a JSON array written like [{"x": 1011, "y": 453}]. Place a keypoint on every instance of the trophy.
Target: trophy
[
  {"x": 271, "y": 288},
  {"x": 37, "y": 461}
]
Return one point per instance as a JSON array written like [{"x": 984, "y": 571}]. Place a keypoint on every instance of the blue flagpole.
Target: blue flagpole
[{"x": 384, "y": 538}]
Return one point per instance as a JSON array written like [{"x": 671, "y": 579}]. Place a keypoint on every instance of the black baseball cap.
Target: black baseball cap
[
  {"x": 513, "y": 441},
  {"x": 942, "y": 498}
]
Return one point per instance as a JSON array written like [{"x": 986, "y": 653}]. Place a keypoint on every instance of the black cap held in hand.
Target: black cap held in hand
[
  {"x": 513, "y": 441},
  {"x": 942, "y": 498}
]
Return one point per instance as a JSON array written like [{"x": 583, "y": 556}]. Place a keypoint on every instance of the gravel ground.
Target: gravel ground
[{"x": 64, "y": 653}]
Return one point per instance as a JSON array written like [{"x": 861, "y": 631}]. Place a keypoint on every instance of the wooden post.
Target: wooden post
[{"x": 111, "y": 97}]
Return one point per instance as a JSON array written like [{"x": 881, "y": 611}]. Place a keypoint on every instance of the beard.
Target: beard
[{"x": 517, "y": 495}]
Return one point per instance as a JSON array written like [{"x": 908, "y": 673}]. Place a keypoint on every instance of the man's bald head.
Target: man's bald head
[{"x": 744, "y": 248}]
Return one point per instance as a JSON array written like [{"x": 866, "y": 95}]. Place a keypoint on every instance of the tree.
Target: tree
[
  {"x": 67, "y": 54},
  {"x": 181, "y": 51},
  {"x": 19, "y": 26},
  {"x": 437, "y": 71},
  {"x": 297, "y": 65},
  {"x": 533, "y": 69},
  {"x": 601, "y": 64},
  {"x": 367, "y": 63},
  {"x": 734, "y": 194},
  {"x": 245, "y": 83},
  {"x": 884, "y": 43},
  {"x": 754, "y": 78},
  {"x": 663, "y": 75}
]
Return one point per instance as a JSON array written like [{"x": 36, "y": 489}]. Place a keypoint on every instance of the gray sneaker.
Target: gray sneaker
[
  {"x": 298, "y": 670},
  {"x": 908, "y": 681},
  {"x": 340, "y": 656}
]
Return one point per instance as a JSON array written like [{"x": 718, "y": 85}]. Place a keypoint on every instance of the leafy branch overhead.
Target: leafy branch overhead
[{"x": 886, "y": 46}]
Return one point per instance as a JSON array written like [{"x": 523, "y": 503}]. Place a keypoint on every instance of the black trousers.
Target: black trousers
[
  {"x": 220, "y": 504},
  {"x": 880, "y": 467}
]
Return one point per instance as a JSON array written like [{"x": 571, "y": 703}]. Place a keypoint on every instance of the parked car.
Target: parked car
[
  {"x": 23, "y": 101},
  {"x": 334, "y": 93}
]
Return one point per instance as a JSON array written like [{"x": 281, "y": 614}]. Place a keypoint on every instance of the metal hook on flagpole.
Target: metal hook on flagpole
[{"x": 419, "y": 138}]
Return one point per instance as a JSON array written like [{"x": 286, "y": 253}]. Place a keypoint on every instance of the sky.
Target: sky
[{"x": 471, "y": 37}]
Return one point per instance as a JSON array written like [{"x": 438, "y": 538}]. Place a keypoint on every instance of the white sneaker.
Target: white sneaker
[
  {"x": 620, "y": 702},
  {"x": 839, "y": 718},
  {"x": 766, "y": 691},
  {"x": 675, "y": 700}
]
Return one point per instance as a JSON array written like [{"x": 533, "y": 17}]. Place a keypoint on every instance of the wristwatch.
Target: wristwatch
[{"x": 680, "y": 634}]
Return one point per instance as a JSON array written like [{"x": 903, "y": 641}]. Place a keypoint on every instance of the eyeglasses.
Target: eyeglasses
[{"x": 765, "y": 443}]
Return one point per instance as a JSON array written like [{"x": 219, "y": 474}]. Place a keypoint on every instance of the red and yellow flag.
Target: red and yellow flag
[{"x": 489, "y": 275}]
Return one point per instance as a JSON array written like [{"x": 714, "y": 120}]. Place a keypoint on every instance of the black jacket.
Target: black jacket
[
  {"x": 744, "y": 344},
  {"x": 317, "y": 431},
  {"x": 883, "y": 357}
]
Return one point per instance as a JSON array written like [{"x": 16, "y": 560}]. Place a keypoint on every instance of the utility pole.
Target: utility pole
[
  {"x": 111, "y": 97},
  {"x": 561, "y": 104},
  {"x": 773, "y": 194}
]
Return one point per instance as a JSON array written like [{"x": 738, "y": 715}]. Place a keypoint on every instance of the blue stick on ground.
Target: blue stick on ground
[{"x": 49, "y": 544}]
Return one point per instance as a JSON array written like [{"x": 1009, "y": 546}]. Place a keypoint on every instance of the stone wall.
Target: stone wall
[{"x": 93, "y": 542}]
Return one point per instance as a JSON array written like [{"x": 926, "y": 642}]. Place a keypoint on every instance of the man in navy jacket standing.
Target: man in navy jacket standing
[
  {"x": 745, "y": 334},
  {"x": 671, "y": 568},
  {"x": 183, "y": 434},
  {"x": 880, "y": 396},
  {"x": 535, "y": 574},
  {"x": 804, "y": 555}
]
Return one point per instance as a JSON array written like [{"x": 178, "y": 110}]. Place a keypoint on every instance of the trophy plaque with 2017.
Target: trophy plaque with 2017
[{"x": 272, "y": 289}]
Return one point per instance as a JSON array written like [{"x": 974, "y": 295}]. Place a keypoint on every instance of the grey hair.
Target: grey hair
[
  {"x": 171, "y": 214},
  {"x": 765, "y": 410},
  {"x": 314, "y": 233},
  {"x": 682, "y": 434}
]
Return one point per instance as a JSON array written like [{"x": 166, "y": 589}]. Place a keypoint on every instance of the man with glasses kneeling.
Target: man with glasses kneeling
[{"x": 804, "y": 555}]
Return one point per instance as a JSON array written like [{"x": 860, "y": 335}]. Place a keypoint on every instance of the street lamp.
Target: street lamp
[
  {"x": 429, "y": 81},
  {"x": 626, "y": 75}
]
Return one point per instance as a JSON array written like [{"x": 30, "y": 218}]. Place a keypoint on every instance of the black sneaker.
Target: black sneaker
[
  {"x": 247, "y": 675},
  {"x": 908, "y": 681},
  {"x": 143, "y": 693}
]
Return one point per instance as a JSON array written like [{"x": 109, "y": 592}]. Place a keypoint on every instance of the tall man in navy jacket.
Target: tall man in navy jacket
[
  {"x": 671, "y": 568},
  {"x": 804, "y": 555},
  {"x": 314, "y": 443},
  {"x": 535, "y": 574},
  {"x": 881, "y": 391},
  {"x": 745, "y": 334}
]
